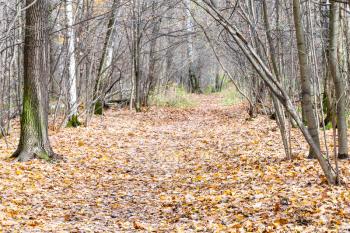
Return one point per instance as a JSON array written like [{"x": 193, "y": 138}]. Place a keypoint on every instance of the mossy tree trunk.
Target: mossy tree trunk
[{"x": 34, "y": 140}]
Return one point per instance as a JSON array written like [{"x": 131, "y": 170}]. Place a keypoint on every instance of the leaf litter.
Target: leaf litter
[{"x": 204, "y": 169}]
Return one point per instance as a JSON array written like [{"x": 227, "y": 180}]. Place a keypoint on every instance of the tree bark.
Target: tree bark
[
  {"x": 34, "y": 140},
  {"x": 105, "y": 60},
  {"x": 72, "y": 81},
  {"x": 305, "y": 77},
  {"x": 338, "y": 81},
  {"x": 192, "y": 76},
  {"x": 279, "y": 111},
  {"x": 152, "y": 78},
  {"x": 136, "y": 56}
]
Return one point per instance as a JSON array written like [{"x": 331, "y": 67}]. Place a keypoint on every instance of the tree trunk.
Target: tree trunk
[
  {"x": 279, "y": 111},
  {"x": 192, "y": 76},
  {"x": 305, "y": 77},
  {"x": 73, "y": 101},
  {"x": 136, "y": 56},
  {"x": 274, "y": 86},
  {"x": 338, "y": 81},
  {"x": 105, "y": 59},
  {"x": 218, "y": 79},
  {"x": 152, "y": 78},
  {"x": 34, "y": 140}
]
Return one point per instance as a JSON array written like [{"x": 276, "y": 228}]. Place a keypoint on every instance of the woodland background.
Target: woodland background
[{"x": 183, "y": 115}]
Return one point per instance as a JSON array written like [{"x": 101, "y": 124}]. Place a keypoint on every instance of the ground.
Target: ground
[{"x": 205, "y": 169}]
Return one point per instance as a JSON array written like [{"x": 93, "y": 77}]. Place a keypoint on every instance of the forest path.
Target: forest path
[{"x": 202, "y": 169}]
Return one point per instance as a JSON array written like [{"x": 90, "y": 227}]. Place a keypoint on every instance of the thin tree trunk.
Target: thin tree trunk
[
  {"x": 305, "y": 77},
  {"x": 72, "y": 83},
  {"x": 279, "y": 111},
  {"x": 193, "y": 78},
  {"x": 339, "y": 84},
  {"x": 273, "y": 85},
  {"x": 151, "y": 81},
  {"x": 136, "y": 56},
  {"x": 98, "y": 95}
]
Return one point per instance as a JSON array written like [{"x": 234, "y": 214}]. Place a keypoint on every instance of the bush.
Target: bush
[
  {"x": 174, "y": 97},
  {"x": 329, "y": 126},
  {"x": 209, "y": 90},
  {"x": 73, "y": 122}
]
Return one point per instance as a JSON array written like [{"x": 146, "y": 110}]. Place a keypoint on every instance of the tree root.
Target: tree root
[{"x": 25, "y": 155}]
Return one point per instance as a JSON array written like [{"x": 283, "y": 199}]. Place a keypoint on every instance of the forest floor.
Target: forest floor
[{"x": 204, "y": 169}]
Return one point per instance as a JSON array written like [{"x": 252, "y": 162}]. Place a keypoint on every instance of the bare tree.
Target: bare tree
[
  {"x": 305, "y": 78},
  {"x": 72, "y": 81},
  {"x": 338, "y": 81},
  {"x": 271, "y": 81},
  {"x": 34, "y": 140}
]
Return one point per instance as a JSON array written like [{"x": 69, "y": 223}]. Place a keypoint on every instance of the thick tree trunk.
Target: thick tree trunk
[
  {"x": 338, "y": 81},
  {"x": 305, "y": 77},
  {"x": 34, "y": 140}
]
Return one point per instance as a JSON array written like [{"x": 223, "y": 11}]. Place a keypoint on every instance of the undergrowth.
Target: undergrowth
[
  {"x": 174, "y": 97},
  {"x": 230, "y": 96}
]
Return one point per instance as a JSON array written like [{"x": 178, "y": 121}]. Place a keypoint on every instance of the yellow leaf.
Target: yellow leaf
[
  {"x": 105, "y": 158},
  {"x": 81, "y": 143},
  {"x": 228, "y": 192},
  {"x": 19, "y": 172},
  {"x": 280, "y": 222},
  {"x": 198, "y": 178},
  {"x": 239, "y": 217},
  {"x": 115, "y": 206}
]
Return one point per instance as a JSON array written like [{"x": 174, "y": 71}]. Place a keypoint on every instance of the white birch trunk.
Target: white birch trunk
[
  {"x": 189, "y": 28},
  {"x": 73, "y": 106}
]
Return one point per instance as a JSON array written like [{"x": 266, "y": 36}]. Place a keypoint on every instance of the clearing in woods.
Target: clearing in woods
[{"x": 203, "y": 169}]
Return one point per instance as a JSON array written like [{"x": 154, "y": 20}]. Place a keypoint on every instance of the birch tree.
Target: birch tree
[{"x": 72, "y": 81}]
